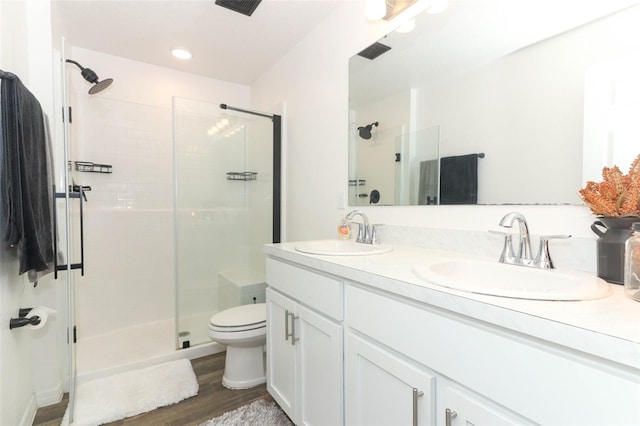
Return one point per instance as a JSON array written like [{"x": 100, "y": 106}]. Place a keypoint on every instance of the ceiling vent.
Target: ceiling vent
[
  {"x": 375, "y": 50},
  {"x": 246, "y": 7}
]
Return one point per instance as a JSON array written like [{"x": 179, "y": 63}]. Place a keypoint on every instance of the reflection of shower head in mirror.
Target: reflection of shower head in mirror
[{"x": 365, "y": 131}]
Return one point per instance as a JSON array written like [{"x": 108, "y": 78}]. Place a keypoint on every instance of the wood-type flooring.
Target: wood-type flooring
[{"x": 212, "y": 400}]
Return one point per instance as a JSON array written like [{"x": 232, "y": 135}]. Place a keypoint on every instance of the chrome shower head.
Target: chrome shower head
[{"x": 89, "y": 75}]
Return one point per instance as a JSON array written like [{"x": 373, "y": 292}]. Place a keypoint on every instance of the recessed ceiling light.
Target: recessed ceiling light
[{"x": 181, "y": 53}]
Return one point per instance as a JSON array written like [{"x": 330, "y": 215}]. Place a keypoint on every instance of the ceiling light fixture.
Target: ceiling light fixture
[
  {"x": 389, "y": 9},
  {"x": 181, "y": 53},
  {"x": 386, "y": 9}
]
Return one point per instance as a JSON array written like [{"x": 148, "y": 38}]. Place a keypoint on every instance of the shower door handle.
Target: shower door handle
[{"x": 56, "y": 267}]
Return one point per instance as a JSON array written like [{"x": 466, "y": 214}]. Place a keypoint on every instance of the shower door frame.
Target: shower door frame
[
  {"x": 71, "y": 334},
  {"x": 276, "y": 140},
  {"x": 277, "y": 165}
]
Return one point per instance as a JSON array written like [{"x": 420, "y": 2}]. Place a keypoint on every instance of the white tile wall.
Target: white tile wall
[{"x": 129, "y": 240}]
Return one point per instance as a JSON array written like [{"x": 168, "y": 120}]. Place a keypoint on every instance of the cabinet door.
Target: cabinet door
[
  {"x": 383, "y": 389},
  {"x": 281, "y": 354},
  {"x": 320, "y": 369},
  {"x": 465, "y": 408}
]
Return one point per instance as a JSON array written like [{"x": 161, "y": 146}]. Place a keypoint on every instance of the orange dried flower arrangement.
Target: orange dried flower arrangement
[{"x": 618, "y": 195}]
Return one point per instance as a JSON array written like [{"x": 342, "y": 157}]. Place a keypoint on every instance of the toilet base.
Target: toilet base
[{"x": 244, "y": 367}]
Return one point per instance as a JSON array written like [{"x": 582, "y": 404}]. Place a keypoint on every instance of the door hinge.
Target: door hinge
[{"x": 68, "y": 115}]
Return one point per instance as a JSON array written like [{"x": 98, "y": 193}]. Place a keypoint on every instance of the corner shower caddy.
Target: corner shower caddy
[
  {"x": 242, "y": 175},
  {"x": 88, "y": 166}
]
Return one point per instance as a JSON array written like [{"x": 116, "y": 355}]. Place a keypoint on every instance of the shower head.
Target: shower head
[
  {"x": 89, "y": 75},
  {"x": 99, "y": 86},
  {"x": 365, "y": 131}
]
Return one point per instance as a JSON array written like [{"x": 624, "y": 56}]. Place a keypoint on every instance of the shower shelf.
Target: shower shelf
[
  {"x": 242, "y": 175},
  {"x": 87, "y": 166}
]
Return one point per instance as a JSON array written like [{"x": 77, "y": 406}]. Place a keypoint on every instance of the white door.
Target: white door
[
  {"x": 383, "y": 389},
  {"x": 281, "y": 354}
]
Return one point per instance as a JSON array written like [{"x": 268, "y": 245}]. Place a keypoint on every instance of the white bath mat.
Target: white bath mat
[
  {"x": 260, "y": 412},
  {"x": 134, "y": 392}
]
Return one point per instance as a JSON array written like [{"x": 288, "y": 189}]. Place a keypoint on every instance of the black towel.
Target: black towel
[
  {"x": 459, "y": 179},
  {"x": 428, "y": 183},
  {"x": 24, "y": 177}
]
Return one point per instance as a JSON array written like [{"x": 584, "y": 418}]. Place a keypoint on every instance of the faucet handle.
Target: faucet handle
[
  {"x": 361, "y": 232},
  {"x": 374, "y": 233},
  {"x": 507, "y": 255},
  {"x": 543, "y": 259}
]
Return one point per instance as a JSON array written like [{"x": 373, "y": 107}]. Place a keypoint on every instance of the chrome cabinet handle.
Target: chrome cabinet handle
[
  {"x": 416, "y": 394},
  {"x": 448, "y": 415},
  {"x": 294, "y": 339},
  {"x": 286, "y": 325}
]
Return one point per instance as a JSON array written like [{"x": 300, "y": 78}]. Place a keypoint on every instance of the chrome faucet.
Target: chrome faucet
[
  {"x": 523, "y": 256},
  {"x": 366, "y": 233},
  {"x": 524, "y": 244}
]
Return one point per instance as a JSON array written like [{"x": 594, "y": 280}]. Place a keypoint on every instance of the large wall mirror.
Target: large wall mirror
[{"x": 496, "y": 102}]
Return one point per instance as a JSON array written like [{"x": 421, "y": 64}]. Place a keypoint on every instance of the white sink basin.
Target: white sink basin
[
  {"x": 498, "y": 279},
  {"x": 341, "y": 248}
]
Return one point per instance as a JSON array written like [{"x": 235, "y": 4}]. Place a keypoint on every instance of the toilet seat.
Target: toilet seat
[
  {"x": 243, "y": 330},
  {"x": 240, "y": 318}
]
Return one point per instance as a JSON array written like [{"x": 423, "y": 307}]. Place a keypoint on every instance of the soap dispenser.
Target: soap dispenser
[{"x": 344, "y": 229}]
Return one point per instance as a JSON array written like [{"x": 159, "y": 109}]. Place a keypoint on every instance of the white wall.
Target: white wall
[
  {"x": 548, "y": 124},
  {"x": 312, "y": 79},
  {"x": 314, "y": 85},
  {"x": 29, "y": 360}
]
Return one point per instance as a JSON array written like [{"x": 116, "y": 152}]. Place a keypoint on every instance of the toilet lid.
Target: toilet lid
[{"x": 240, "y": 316}]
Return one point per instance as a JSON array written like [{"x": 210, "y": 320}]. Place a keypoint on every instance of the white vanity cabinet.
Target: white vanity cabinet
[
  {"x": 472, "y": 372},
  {"x": 304, "y": 343},
  {"x": 383, "y": 389}
]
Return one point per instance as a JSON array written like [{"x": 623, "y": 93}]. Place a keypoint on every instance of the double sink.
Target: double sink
[{"x": 480, "y": 276}]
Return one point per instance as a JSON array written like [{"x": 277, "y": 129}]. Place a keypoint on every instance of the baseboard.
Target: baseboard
[
  {"x": 188, "y": 353},
  {"x": 50, "y": 397},
  {"x": 29, "y": 414}
]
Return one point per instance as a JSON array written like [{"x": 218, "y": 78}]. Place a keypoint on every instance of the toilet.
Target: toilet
[{"x": 243, "y": 330}]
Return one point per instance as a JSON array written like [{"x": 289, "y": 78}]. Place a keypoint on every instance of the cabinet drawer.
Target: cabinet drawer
[
  {"x": 539, "y": 381},
  {"x": 320, "y": 292}
]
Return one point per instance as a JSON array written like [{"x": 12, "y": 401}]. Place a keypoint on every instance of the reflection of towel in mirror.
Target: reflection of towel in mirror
[
  {"x": 459, "y": 179},
  {"x": 428, "y": 184}
]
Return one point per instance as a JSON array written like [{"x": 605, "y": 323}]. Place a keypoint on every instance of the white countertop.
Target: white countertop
[{"x": 608, "y": 328}]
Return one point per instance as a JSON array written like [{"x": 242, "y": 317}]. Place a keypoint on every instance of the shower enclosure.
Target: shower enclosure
[
  {"x": 226, "y": 208},
  {"x": 184, "y": 198}
]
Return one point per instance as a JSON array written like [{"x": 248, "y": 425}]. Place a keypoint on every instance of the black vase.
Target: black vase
[{"x": 611, "y": 246}]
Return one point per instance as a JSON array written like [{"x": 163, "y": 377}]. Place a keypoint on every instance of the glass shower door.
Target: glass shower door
[{"x": 223, "y": 211}]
